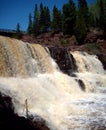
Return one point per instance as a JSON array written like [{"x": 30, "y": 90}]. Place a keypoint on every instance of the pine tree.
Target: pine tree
[
  {"x": 44, "y": 18},
  {"x": 36, "y": 21},
  {"x": 83, "y": 9},
  {"x": 93, "y": 15},
  {"x": 82, "y": 21},
  {"x": 101, "y": 18},
  {"x": 102, "y": 15},
  {"x": 81, "y": 28},
  {"x": 18, "y": 31},
  {"x": 30, "y": 27},
  {"x": 18, "y": 28},
  {"x": 57, "y": 20},
  {"x": 105, "y": 20},
  {"x": 69, "y": 17},
  {"x": 48, "y": 19}
]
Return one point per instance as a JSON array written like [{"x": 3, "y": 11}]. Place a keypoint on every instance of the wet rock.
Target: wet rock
[
  {"x": 81, "y": 84},
  {"x": 38, "y": 122},
  {"x": 102, "y": 58},
  {"x": 11, "y": 121},
  {"x": 64, "y": 59}
]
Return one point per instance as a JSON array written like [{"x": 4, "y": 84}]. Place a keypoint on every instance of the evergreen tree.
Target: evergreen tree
[
  {"x": 101, "y": 18},
  {"x": 82, "y": 20},
  {"x": 69, "y": 17},
  {"x": 18, "y": 31},
  {"x": 30, "y": 27},
  {"x": 18, "y": 28},
  {"x": 81, "y": 28},
  {"x": 83, "y": 9},
  {"x": 105, "y": 19},
  {"x": 57, "y": 20},
  {"x": 48, "y": 19},
  {"x": 36, "y": 21},
  {"x": 41, "y": 7},
  {"x": 44, "y": 18},
  {"x": 93, "y": 15},
  {"x": 102, "y": 15}
]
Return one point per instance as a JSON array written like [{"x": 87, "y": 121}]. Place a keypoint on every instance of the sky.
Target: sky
[{"x": 17, "y": 11}]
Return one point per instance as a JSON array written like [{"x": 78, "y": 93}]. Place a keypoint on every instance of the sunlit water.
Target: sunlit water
[{"x": 54, "y": 96}]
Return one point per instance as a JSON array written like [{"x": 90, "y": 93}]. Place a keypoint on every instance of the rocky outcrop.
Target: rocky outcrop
[
  {"x": 102, "y": 58},
  {"x": 11, "y": 121},
  {"x": 93, "y": 35},
  {"x": 64, "y": 59},
  {"x": 81, "y": 84}
]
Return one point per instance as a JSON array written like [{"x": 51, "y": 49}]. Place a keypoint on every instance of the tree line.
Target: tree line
[{"x": 72, "y": 19}]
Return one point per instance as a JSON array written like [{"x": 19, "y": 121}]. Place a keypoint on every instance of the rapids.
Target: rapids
[{"x": 27, "y": 72}]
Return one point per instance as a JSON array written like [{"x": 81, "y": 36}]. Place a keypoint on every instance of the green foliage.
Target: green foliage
[
  {"x": 93, "y": 18},
  {"x": 81, "y": 29},
  {"x": 105, "y": 20},
  {"x": 93, "y": 48},
  {"x": 56, "y": 24},
  {"x": 64, "y": 41},
  {"x": 48, "y": 19},
  {"x": 69, "y": 17},
  {"x": 30, "y": 25},
  {"x": 41, "y": 20},
  {"x": 81, "y": 22},
  {"x": 18, "y": 31},
  {"x": 18, "y": 28},
  {"x": 101, "y": 4},
  {"x": 44, "y": 21},
  {"x": 84, "y": 11},
  {"x": 71, "y": 20},
  {"x": 35, "y": 29},
  {"x": 101, "y": 17}
]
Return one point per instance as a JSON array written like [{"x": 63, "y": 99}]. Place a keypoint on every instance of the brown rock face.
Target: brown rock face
[{"x": 64, "y": 60}]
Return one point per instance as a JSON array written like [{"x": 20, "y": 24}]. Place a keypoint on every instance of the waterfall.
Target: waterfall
[
  {"x": 22, "y": 59},
  {"x": 88, "y": 63},
  {"x": 90, "y": 70},
  {"x": 29, "y": 73}
]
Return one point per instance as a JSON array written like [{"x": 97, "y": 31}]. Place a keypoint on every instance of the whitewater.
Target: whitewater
[{"x": 27, "y": 72}]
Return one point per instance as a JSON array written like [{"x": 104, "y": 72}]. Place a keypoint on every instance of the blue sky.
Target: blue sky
[{"x": 17, "y": 11}]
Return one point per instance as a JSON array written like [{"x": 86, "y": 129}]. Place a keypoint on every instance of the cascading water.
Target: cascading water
[
  {"x": 19, "y": 58},
  {"x": 28, "y": 72},
  {"x": 90, "y": 70}
]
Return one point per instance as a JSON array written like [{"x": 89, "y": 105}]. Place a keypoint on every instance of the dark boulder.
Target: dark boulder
[
  {"x": 81, "y": 84},
  {"x": 64, "y": 59},
  {"x": 102, "y": 58},
  {"x": 11, "y": 121}
]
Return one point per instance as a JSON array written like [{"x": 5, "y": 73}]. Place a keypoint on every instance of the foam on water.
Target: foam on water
[
  {"x": 57, "y": 99},
  {"x": 27, "y": 72}
]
